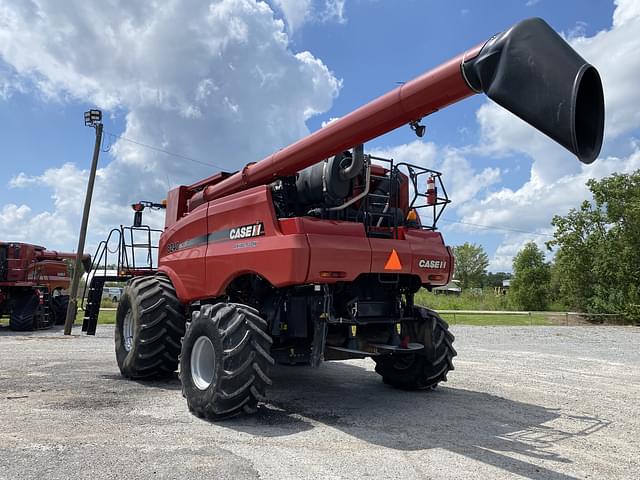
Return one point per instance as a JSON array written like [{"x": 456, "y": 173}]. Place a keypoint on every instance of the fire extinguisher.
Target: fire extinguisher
[{"x": 432, "y": 193}]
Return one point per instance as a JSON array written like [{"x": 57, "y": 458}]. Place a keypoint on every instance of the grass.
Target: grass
[
  {"x": 486, "y": 300},
  {"x": 465, "y": 301},
  {"x": 497, "y": 320},
  {"x": 107, "y": 317}
]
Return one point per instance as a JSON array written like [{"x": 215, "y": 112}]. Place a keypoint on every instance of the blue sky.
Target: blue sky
[{"x": 244, "y": 80}]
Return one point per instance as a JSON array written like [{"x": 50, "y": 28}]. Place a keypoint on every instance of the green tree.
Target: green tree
[
  {"x": 529, "y": 288},
  {"x": 471, "y": 264},
  {"x": 579, "y": 235},
  {"x": 495, "y": 279},
  {"x": 598, "y": 257}
]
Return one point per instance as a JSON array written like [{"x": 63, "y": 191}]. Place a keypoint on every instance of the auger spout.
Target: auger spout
[{"x": 529, "y": 70}]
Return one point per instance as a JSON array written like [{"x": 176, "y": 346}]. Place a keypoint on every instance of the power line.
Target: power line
[
  {"x": 489, "y": 227},
  {"x": 162, "y": 150}
]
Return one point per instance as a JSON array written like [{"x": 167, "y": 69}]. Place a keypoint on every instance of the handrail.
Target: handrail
[{"x": 125, "y": 252}]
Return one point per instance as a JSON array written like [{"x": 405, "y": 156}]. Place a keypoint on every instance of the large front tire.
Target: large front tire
[
  {"x": 225, "y": 361},
  {"x": 26, "y": 312},
  {"x": 149, "y": 325},
  {"x": 428, "y": 367}
]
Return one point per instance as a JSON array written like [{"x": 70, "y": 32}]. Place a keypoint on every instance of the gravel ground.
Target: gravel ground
[{"x": 528, "y": 402}]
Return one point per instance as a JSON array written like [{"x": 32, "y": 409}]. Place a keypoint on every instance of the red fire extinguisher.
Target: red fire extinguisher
[{"x": 432, "y": 193}]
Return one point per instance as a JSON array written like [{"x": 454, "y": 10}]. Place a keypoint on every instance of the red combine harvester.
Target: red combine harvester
[
  {"x": 315, "y": 252},
  {"x": 33, "y": 281}
]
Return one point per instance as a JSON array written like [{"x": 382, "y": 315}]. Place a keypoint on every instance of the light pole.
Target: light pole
[{"x": 92, "y": 118}]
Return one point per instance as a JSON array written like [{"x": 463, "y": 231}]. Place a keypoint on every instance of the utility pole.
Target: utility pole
[{"x": 92, "y": 118}]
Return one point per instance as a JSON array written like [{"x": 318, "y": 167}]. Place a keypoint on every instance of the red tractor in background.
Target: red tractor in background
[
  {"x": 33, "y": 283},
  {"x": 315, "y": 252}
]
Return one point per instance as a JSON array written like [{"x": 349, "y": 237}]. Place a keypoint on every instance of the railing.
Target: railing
[
  {"x": 148, "y": 246},
  {"x": 441, "y": 198},
  {"x": 131, "y": 250}
]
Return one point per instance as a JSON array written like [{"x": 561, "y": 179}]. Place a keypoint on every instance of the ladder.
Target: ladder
[{"x": 92, "y": 306}]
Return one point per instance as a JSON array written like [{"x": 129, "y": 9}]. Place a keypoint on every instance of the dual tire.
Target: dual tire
[{"x": 224, "y": 352}]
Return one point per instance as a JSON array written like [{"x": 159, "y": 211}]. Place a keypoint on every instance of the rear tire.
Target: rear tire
[
  {"x": 59, "y": 305},
  {"x": 425, "y": 369},
  {"x": 149, "y": 325},
  {"x": 225, "y": 361},
  {"x": 25, "y": 312}
]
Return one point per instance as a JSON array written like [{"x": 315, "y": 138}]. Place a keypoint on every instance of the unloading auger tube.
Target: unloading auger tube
[{"x": 529, "y": 70}]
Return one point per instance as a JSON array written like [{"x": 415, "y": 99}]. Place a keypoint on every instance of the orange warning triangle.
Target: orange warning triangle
[{"x": 393, "y": 262}]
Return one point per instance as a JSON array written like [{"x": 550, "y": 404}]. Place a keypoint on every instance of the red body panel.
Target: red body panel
[
  {"x": 281, "y": 259},
  {"x": 25, "y": 267},
  {"x": 186, "y": 266},
  {"x": 201, "y": 258}
]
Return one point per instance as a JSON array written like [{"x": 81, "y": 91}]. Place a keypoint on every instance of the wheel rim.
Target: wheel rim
[
  {"x": 127, "y": 330},
  {"x": 202, "y": 363}
]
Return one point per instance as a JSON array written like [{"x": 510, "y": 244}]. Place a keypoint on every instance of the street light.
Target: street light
[{"x": 92, "y": 118}]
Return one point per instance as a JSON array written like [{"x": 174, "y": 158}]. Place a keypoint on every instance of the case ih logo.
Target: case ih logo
[
  {"x": 236, "y": 233},
  {"x": 246, "y": 231},
  {"x": 432, "y": 264}
]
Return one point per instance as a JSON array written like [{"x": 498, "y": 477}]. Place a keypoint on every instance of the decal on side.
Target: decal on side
[
  {"x": 235, "y": 233},
  {"x": 432, "y": 264},
  {"x": 246, "y": 231}
]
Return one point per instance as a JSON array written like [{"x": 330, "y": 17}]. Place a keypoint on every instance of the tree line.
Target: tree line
[{"x": 596, "y": 267}]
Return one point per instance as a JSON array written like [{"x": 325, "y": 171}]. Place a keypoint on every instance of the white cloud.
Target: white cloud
[
  {"x": 9, "y": 82},
  {"x": 329, "y": 122},
  {"x": 557, "y": 180},
  {"x": 333, "y": 11},
  {"x": 296, "y": 12},
  {"x": 531, "y": 207},
  {"x": 58, "y": 226},
  {"x": 463, "y": 182},
  {"x": 214, "y": 81},
  {"x": 18, "y": 225},
  {"x": 626, "y": 11},
  {"x": 502, "y": 259}
]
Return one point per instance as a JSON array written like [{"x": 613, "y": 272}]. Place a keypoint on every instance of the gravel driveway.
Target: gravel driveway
[{"x": 523, "y": 402}]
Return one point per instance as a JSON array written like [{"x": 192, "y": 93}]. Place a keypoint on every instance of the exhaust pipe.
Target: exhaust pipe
[
  {"x": 532, "y": 72},
  {"x": 357, "y": 162}
]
